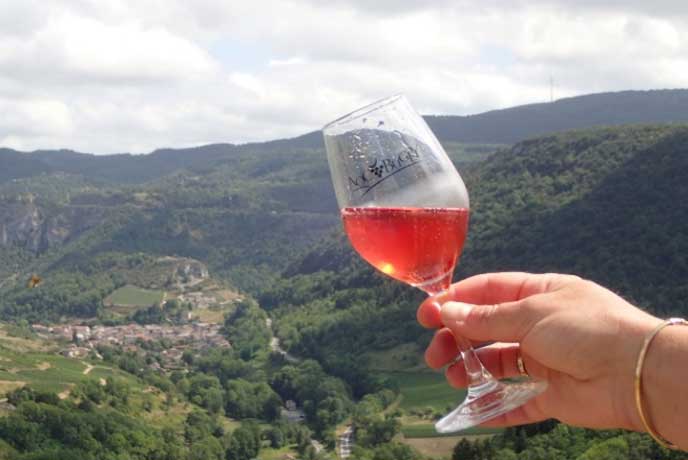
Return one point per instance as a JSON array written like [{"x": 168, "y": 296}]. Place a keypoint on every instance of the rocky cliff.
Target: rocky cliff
[{"x": 25, "y": 224}]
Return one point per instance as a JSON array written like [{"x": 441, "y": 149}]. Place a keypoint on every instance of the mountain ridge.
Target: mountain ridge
[
  {"x": 601, "y": 202},
  {"x": 639, "y": 107}
]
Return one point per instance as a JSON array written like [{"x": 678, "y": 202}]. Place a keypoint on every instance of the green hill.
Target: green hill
[
  {"x": 514, "y": 124},
  {"x": 602, "y": 203},
  {"x": 505, "y": 126}
]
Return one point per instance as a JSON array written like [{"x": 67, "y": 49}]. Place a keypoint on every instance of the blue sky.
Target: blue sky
[
  {"x": 241, "y": 55},
  {"x": 132, "y": 76}
]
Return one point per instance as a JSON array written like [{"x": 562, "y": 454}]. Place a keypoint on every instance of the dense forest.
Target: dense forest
[
  {"x": 600, "y": 204},
  {"x": 603, "y": 203}
]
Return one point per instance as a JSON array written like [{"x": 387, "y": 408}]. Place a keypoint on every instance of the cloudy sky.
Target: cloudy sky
[{"x": 108, "y": 76}]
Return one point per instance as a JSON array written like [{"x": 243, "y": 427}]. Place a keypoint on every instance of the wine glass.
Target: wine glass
[{"x": 405, "y": 210}]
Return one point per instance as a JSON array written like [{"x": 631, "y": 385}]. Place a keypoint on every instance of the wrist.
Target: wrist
[
  {"x": 627, "y": 407},
  {"x": 663, "y": 395}
]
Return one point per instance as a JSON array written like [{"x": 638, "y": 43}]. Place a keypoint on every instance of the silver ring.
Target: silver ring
[{"x": 521, "y": 366}]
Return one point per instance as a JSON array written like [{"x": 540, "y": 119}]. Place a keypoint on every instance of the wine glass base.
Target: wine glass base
[{"x": 487, "y": 402}]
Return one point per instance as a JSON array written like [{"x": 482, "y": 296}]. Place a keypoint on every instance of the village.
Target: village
[{"x": 84, "y": 340}]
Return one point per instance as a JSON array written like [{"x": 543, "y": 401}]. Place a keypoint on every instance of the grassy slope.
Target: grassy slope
[
  {"x": 134, "y": 296},
  {"x": 421, "y": 390},
  {"x": 36, "y": 363},
  {"x": 267, "y": 453}
]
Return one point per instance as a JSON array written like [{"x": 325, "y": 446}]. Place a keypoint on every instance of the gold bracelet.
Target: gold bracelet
[{"x": 639, "y": 382}]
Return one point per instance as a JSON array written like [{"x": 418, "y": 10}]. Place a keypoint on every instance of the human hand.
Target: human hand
[{"x": 581, "y": 338}]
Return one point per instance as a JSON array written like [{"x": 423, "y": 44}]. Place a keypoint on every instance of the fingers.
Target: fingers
[
  {"x": 503, "y": 322},
  {"x": 428, "y": 313},
  {"x": 442, "y": 349},
  {"x": 500, "y": 360},
  {"x": 489, "y": 288}
]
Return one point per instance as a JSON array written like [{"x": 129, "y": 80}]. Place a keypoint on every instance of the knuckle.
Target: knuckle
[
  {"x": 532, "y": 308},
  {"x": 588, "y": 284},
  {"x": 528, "y": 306},
  {"x": 573, "y": 279},
  {"x": 482, "y": 315},
  {"x": 525, "y": 315},
  {"x": 554, "y": 281}
]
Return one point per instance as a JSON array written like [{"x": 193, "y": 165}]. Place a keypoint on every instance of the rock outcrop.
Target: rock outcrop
[{"x": 25, "y": 224}]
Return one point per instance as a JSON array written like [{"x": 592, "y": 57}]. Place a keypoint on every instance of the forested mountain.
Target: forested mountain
[
  {"x": 505, "y": 126},
  {"x": 605, "y": 109},
  {"x": 604, "y": 203}
]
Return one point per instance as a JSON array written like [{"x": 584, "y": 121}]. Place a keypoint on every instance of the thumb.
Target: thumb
[{"x": 503, "y": 322}]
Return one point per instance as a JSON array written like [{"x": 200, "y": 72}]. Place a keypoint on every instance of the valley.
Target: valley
[{"x": 188, "y": 297}]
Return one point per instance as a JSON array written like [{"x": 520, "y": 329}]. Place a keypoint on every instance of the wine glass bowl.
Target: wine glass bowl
[
  {"x": 384, "y": 154},
  {"x": 404, "y": 205},
  {"x": 405, "y": 210}
]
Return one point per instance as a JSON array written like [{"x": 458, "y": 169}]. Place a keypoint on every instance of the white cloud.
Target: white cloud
[
  {"x": 128, "y": 75},
  {"x": 36, "y": 116},
  {"x": 285, "y": 62},
  {"x": 70, "y": 48}
]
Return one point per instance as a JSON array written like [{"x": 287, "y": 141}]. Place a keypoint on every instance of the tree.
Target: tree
[
  {"x": 275, "y": 436},
  {"x": 213, "y": 400},
  {"x": 506, "y": 454},
  {"x": 247, "y": 330},
  {"x": 244, "y": 443},
  {"x": 252, "y": 400},
  {"x": 395, "y": 451},
  {"x": 198, "y": 425},
  {"x": 465, "y": 450},
  {"x": 611, "y": 449},
  {"x": 302, "y": 438},
  {"x": 208, "y": 448},
  {"x": 379, "y": 431}
]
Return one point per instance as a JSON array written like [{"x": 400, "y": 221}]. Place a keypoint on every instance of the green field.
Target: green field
[
  {"x": 267, "y": 453},
  {"x": 48, "y": 372},
  {"x": 211, "y": 315},
  {"x": 406, "y": 357},
  {"x": 132, "y": 296},
  {"x": 427, "y": 430},
  {"x": 35, "y": 362},
  {"x": 420, "y": 390}
]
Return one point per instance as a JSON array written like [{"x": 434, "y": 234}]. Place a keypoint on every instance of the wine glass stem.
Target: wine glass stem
[{"x": 478, "y": 376}]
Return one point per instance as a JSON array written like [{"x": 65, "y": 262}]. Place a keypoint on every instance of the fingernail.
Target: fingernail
[
  {"x": 455, "y": 312},
  {"x": 441, "y": 298}
]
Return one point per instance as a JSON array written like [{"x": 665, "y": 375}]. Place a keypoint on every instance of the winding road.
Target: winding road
[
  {"x": 345, "y": 441},
  {"x": 88, "y": 369},
  {"x": 276, "y": 347}
]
